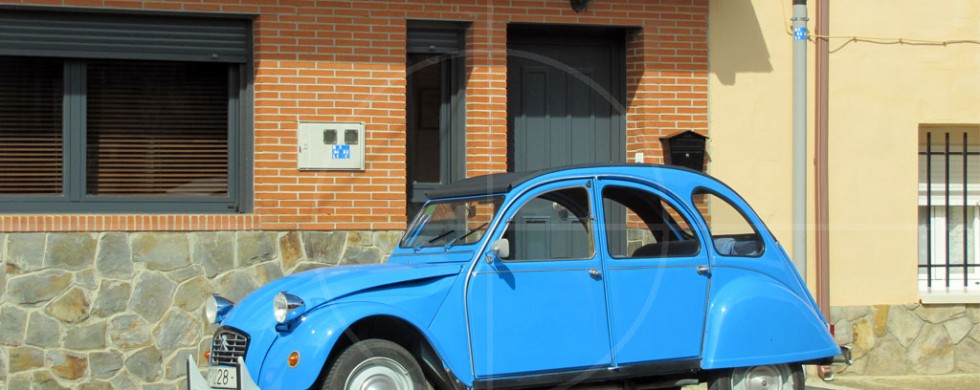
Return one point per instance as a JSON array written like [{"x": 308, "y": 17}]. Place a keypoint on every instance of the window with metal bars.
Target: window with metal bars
[
  {"x": 949, "y": 210},
  {"x": 119, "y": 136}
]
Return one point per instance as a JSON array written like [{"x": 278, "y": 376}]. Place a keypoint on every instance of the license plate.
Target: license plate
[{"x": 223, "y": 377}]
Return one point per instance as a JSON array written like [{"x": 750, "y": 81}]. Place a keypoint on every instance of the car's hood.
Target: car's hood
[{"x": 320, "y": 286}]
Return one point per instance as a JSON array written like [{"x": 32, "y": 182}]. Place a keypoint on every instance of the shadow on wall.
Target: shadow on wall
[{"x": 736, "y": 36}]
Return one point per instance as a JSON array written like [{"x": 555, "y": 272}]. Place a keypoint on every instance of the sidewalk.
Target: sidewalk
[{"x": 905, "y": 382}]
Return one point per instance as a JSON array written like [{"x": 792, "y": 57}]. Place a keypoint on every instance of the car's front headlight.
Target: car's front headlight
[
  {"x": 287, "y": 307},
  {"x": 216, "y": 308}
]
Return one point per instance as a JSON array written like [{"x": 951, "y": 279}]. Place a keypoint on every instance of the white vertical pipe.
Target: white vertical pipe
[{"x": 799, "y": 135}]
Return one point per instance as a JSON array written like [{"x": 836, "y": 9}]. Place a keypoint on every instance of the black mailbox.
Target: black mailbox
[{"x": 685, "y": 149}]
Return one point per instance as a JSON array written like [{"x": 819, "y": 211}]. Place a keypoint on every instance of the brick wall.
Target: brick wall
[{"x": 345, "y": 61}]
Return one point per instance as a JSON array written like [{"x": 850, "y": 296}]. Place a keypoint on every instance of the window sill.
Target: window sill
[{"x": 934, "y": 297}]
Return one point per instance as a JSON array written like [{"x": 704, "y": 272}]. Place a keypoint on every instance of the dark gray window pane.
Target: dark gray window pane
[
  {"x": 31, "y": 150},
  {"x": 157, "y": 129}
]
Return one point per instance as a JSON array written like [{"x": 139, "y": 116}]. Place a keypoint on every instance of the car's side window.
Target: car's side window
[
  {"x": 731, "y": 233},
  {"x": 640, "y": 224},
  {"x": 551, "y": 226}
]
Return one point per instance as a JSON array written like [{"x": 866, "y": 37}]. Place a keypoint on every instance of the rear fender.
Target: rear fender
[{"x": 755, "y": 320}]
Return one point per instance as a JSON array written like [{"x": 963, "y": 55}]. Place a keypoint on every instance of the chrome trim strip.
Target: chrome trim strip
[
  {"x": 523, "y": 271},
  {"x": 636, "y": 267}
]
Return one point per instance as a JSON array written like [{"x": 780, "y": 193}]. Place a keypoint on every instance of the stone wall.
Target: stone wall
[
  {"x": 910, "y": 339},
  {"x": 123, "y": 310}
]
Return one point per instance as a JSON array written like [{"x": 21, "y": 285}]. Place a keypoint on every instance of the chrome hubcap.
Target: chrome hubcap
[
  {"x": 379, "y": 373},
  {"x": 763, "y": 378}
]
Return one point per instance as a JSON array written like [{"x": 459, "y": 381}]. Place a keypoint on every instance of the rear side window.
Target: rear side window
[
  {"x": 640, "y": 224},
  {"x": 731, "y": 233}
]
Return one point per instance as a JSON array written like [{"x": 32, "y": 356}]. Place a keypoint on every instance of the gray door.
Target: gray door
[{"x": 565, "y": 97}]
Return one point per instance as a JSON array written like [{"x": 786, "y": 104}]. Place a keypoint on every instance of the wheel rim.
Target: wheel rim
[
  {"x": 763, "y": 378},
  {"x": 379, "y": 373}
]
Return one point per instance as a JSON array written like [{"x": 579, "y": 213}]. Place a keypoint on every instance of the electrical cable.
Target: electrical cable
[{"x": 875, "y": 40}]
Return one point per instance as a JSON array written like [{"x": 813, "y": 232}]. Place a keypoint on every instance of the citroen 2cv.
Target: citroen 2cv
[{"x": 629, "y": 276}]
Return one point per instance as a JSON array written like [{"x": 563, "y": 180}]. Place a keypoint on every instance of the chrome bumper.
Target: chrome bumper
[{"x": 196, "y": 381}]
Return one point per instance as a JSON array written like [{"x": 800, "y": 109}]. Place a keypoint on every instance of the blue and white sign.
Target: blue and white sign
[
  {"x": 341, "y": 152},
  {"x": 799, "y": 34}
]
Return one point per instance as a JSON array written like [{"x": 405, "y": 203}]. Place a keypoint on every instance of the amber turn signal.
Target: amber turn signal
[
  {"x": 207, "y": 355},
  {"x": 293, "y": 359}
]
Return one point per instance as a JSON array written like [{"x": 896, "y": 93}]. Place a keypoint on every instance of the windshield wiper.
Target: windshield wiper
[
  {"x": 476, "y": 229},
  {"x": 437, "y": 238}
]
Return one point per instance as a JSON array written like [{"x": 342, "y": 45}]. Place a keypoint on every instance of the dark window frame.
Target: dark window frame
[{"x": 431, "y": 37}]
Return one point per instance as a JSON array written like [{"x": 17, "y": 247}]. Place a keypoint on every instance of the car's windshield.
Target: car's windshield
[{"x": 452, "y": 222}]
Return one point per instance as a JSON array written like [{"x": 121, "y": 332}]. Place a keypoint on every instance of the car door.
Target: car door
[
  {"x": 542, "y": 308},
  {"x": 657, "y": 275}
]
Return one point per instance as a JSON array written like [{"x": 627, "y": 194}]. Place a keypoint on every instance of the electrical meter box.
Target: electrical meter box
[{"x": 331, "y": 145}]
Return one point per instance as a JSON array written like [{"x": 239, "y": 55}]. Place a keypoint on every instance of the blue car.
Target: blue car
[{"x": 637, "y": 276}]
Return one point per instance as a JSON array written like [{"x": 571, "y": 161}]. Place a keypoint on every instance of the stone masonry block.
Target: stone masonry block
[
  {"x": 324, "y": 247},
  {"x": 115, "y": 258},
  {"x": 87, "y": 337},
  {"x": 213, "y": 251},
  {"x": 25, "y": 251},
  {"x": 146, "y": 364},
  {"x": 177, "y": 329},
  {"x": 67, "y": 365},
  {"x": 152, "y": 295},
  {"x": 105, "y": 364},
  {"x": 37, "y": 287},
  {"x": 13, "y": 322},
  {"x": 255, "y": 247},
  {"x": 25, "y": 358},
  {"x": 71, "y": 307},
  {"x": 938, "y": 314},
  {"x": 70, "y": 251},
  {"x": 112, "y": 298},
  {"x": 129, "y": 331},
  {"x": 932, "y": 352},
  {"x": 291, "y": 249},
  {"x": 162, "y": 251},
  {"x": 43, "y": 331},
  {"x": 191, "y": 294}
]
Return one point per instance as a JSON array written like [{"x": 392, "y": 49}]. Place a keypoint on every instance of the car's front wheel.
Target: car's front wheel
[
  {"x": 375, "y": 364},
  {"x": 771, "y": 377}
]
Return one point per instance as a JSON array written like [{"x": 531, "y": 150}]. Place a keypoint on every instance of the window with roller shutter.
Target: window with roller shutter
[{"x": 123, "y": 113}]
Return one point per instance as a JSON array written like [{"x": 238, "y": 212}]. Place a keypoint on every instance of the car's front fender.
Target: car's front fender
[{"x": 320, "y": 329}]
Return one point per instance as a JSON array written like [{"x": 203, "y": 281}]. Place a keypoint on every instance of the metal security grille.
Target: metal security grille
[
  {"x": 227, "y": 346},
  {"x": 950, "y": 211}
]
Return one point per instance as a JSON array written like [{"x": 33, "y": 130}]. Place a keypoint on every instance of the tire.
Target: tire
[
  {"x": 771, "y": 377},
  {"x": 375, "y": 364}
]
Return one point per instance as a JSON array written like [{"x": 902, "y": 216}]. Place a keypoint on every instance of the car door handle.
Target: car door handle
[
  {"x": 595, "y": 273},
  {"x": 704, "y": 270}
]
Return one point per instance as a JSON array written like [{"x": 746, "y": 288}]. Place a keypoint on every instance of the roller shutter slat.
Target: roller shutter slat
[{"x": 137, "y": 37}]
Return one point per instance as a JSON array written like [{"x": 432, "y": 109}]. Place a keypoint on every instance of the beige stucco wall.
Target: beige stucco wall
[{"x": 879, "y": 96}]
